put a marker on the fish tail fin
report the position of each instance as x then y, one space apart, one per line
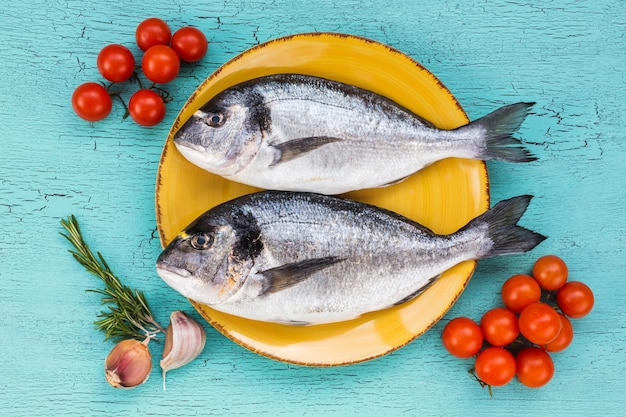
499 127
502 229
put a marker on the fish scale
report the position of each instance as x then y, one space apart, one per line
295 132
305 258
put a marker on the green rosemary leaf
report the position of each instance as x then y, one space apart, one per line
128 314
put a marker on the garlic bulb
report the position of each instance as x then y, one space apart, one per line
128 364
184 341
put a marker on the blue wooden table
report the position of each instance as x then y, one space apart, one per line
569 56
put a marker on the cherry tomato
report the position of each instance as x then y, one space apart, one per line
190 44
462 337
116 63
534 367
550 271
565 337
152 32
575 299
160 64
520 291
91 101
495 366
146 107
539 323
499 326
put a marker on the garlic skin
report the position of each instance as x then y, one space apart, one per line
129 363
184 341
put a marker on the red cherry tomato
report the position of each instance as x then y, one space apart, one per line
519 291
565 337
116 63
575 299
146 107
91 101
495 366
550 271
160 64
534 367
190 44
499 326
539 323
462 337
152 32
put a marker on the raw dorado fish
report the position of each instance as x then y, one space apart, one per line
301 133
304 258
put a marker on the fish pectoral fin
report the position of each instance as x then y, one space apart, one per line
286 276
418 292
298 147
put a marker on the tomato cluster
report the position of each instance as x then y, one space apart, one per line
516 340
162 54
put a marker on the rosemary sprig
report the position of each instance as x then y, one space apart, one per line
128 314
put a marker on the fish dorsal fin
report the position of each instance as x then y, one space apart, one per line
288 275
295 148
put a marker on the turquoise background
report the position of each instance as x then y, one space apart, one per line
568 56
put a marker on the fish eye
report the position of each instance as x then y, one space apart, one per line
216 119
201 241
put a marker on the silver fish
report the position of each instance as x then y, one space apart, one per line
302 133
304 258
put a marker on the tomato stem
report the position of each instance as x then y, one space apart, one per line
482 383
547 296
126 112
165 95
135 78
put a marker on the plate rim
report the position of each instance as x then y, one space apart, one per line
177 123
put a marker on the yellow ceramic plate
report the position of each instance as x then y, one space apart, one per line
443 197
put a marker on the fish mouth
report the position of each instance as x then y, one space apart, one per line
164 267
189 137
183 142
170 272
177 278
199 156
182 281
196 154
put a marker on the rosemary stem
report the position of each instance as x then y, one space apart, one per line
128 314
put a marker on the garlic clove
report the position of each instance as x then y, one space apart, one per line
184 341
128 364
